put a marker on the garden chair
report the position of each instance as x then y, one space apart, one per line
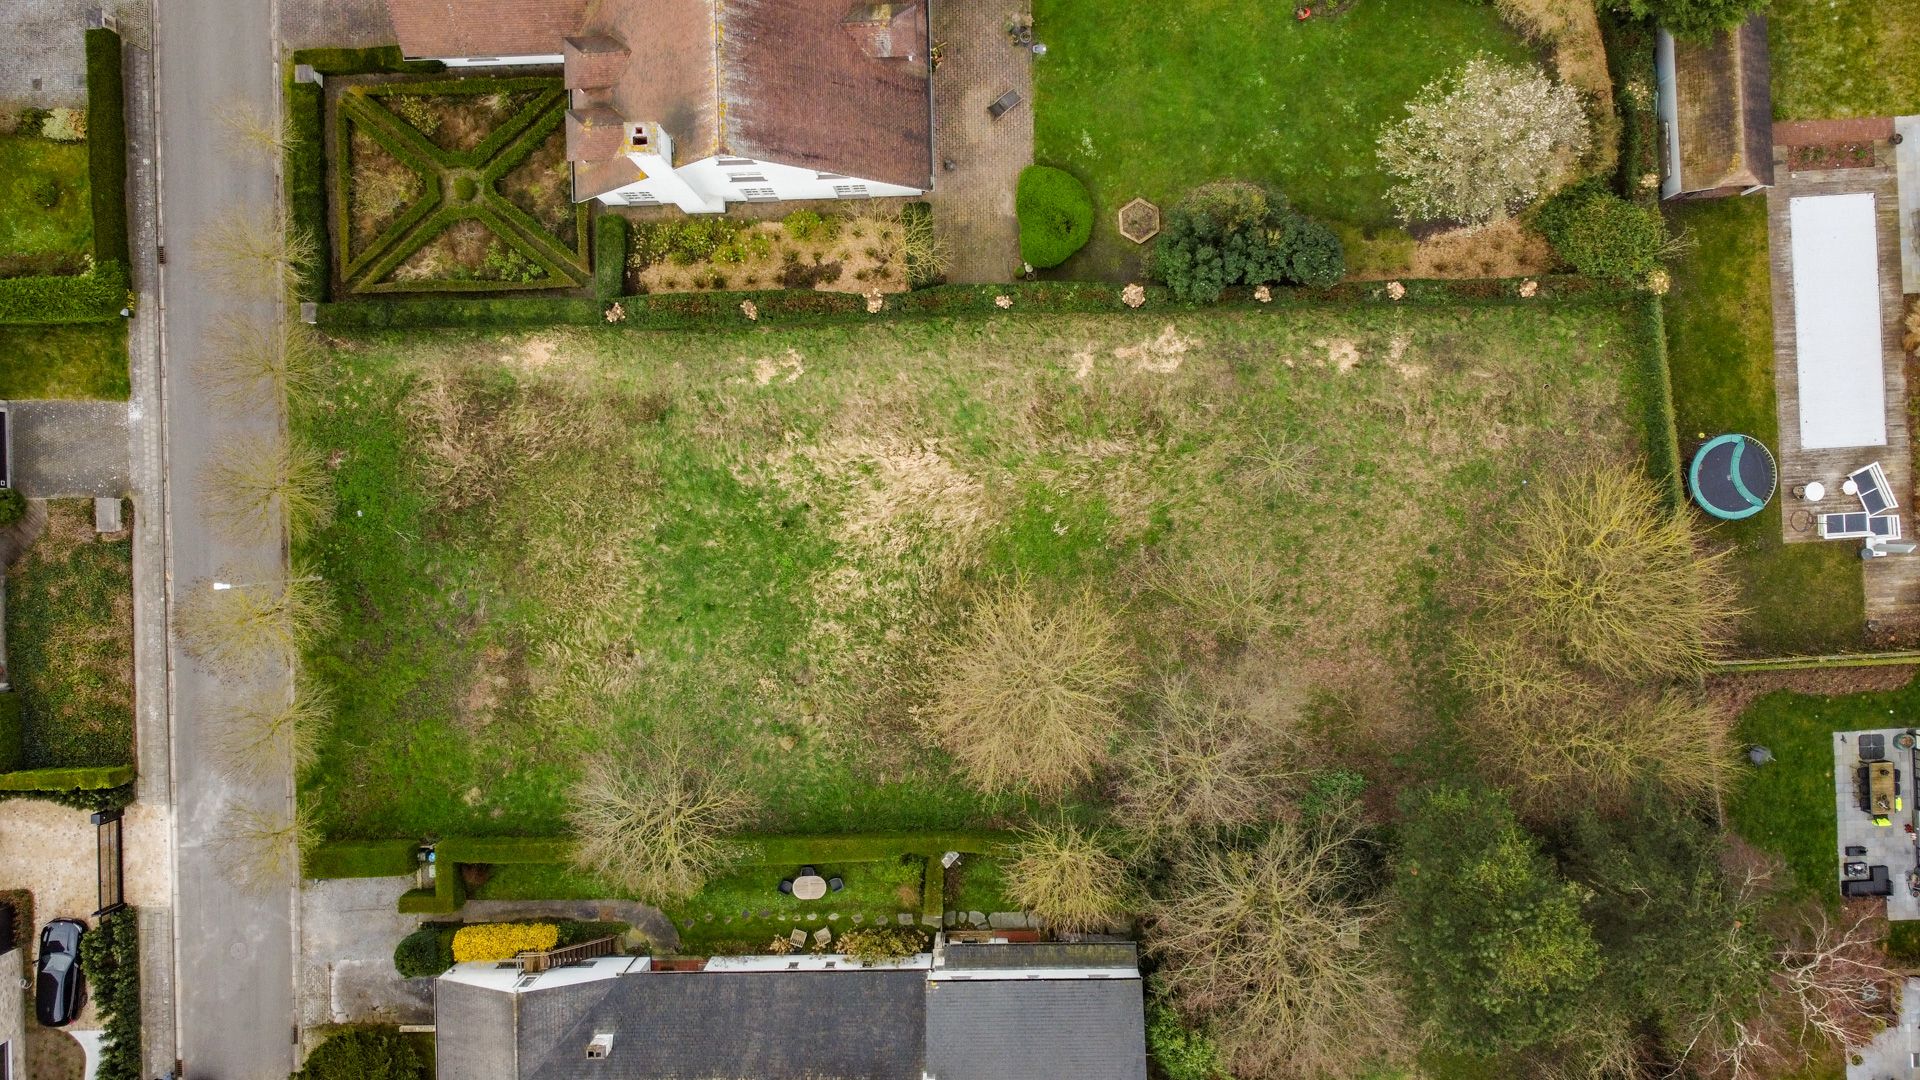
822 936
808 871
786 886
798 937
834 884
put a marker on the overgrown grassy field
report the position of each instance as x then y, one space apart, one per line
36 238
1846 58
549 544
1720 346
1153 99
74 360
70 642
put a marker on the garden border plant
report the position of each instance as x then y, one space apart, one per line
442 172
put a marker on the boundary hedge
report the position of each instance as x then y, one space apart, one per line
97 296
359 859
380 59
1663 438
107 147
78 778
110 955
12 732
792 307
609 256
306 165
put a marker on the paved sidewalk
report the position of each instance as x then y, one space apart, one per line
64 449
147 472
973 201
306 24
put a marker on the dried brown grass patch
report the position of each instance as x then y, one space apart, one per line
1502 249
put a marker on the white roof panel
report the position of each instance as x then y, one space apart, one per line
1836 317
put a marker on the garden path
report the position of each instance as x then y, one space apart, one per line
1893 583
973 203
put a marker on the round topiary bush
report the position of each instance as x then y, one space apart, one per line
13 506
424 953
1602 235
1056 215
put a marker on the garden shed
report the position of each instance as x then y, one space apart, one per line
1716 113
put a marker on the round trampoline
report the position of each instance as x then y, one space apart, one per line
1732 477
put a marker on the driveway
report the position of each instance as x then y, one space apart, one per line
348 928
66 449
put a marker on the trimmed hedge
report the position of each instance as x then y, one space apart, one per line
369 1053
1663 437
424 953
110 956
795 307
380 59
92 297
79 778
306 170
780 850
12 734
107 148
360 858
1602 235
609 256
1056 215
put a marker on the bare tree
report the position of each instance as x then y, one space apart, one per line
1027 693
1831 988
252 132
258 256
256 738
1067 876
1205 764
259 850
918 247
1589 746
248 359
1602 574
1274 945
253 482
656 822
239 632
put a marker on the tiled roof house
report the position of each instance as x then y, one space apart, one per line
995 1011
699 103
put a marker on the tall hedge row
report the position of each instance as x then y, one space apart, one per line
382 59
306 165
92 297
609 256
110 956
76 778
107 147
12 734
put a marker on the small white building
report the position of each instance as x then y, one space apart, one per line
701 103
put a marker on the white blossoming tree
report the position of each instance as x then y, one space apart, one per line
1483 142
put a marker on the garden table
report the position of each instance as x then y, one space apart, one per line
810 887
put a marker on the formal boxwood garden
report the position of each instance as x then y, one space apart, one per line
453 185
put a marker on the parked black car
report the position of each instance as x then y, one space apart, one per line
58 993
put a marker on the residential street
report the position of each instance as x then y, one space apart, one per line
234 950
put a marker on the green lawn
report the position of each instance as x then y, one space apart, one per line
74 360
70 642
549 543
1152 99
1787 806
33 237
1835 58
1720 341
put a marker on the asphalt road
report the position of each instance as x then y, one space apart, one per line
234 950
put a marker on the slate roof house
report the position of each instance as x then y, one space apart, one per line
1000 1011
1716 113
700 103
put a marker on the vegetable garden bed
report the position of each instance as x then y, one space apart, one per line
454 186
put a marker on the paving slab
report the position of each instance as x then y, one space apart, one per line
1896 1050
1906 161
348 928
1891 845
68 449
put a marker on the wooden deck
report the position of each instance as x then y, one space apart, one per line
1893 583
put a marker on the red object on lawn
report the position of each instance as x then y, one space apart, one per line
1303 13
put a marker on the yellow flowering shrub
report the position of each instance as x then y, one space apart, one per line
502 941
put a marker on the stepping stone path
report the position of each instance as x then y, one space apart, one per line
905 919
858 918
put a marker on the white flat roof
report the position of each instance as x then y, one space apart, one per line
1836 318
